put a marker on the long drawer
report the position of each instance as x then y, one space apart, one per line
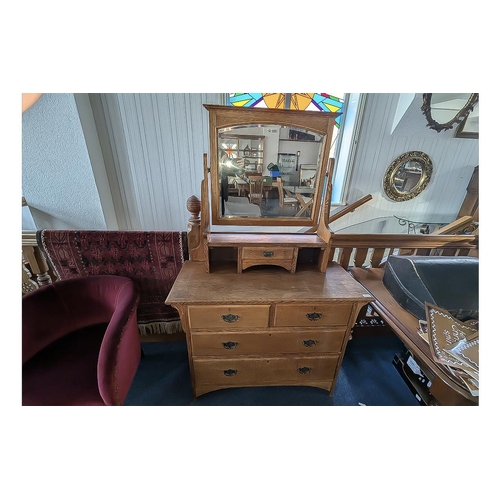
244 343
312 315
228 316
255 371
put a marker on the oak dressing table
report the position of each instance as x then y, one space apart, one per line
264 308
265 326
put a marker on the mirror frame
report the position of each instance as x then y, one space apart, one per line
459 117
391 191
221 117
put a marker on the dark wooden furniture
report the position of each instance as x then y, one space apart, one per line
444 389
365 255
266 326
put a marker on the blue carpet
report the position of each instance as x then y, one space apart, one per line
367 377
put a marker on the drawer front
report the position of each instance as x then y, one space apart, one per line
228 317
267 254
312 315
265 343
237 371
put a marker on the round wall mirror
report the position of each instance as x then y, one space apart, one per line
407 176
442 111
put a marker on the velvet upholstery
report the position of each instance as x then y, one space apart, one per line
81 343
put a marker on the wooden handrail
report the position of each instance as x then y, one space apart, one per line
455 226
404 240
350 208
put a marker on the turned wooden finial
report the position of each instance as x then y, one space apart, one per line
194 236
194 206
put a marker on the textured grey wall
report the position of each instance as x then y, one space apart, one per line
58 182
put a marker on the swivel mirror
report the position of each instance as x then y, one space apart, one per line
251 148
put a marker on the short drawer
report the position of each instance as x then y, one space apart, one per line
228 316
266 254
272 256
312 315
263 371
265 343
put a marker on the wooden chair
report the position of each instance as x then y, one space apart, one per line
285 200
256 184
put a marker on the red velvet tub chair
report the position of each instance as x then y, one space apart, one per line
81 344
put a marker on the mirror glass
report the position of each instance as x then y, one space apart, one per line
250 160
408 176
444 107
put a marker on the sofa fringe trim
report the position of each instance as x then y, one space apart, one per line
159 328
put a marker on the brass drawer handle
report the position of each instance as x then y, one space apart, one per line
229 318
230 372
268 254
229 345
313 316
303 370
309 342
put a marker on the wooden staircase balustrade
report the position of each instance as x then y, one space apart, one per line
33 263
372 250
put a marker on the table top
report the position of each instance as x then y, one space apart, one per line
263 285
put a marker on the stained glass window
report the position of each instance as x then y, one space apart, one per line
258 100
300 101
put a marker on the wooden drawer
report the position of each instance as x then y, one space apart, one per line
275 256
312 315
263 371
228 316
265 343
267 254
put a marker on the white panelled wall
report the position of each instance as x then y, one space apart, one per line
380 143
153 146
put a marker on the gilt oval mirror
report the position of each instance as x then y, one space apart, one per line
267 167
443 111
407 176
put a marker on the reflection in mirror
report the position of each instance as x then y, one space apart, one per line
444 110
251 158
307 175
407 176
